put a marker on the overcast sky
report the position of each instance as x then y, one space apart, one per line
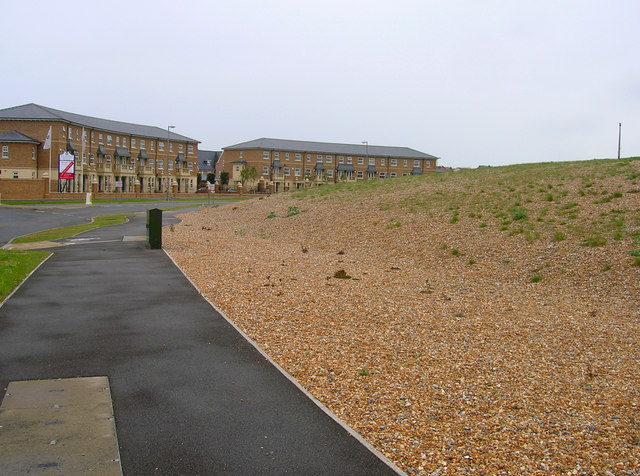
474 82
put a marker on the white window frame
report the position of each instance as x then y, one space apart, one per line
360 160
160 146
5 151
109 140
265 154
394 162
298 157
319 158
265 170
297 172
160 164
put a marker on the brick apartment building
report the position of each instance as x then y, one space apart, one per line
289 164
110 156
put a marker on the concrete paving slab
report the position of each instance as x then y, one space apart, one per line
59 426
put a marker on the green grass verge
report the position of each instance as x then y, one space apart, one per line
15 266
66 232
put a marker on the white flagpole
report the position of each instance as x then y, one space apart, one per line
47 145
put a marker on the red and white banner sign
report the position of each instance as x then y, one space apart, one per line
66 166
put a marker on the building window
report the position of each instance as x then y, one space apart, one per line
15 174
349 160
124 142
134 143
84 158
33 153
298 157
360 160
265 154
190 149
286 156
319 158
160 146
329 159
181 148
99 160
383 161
394 162
276 155
416 163
142 143
330 173
150 162
190 165
117 141
160 164
287 172
297 172
64 132
372 161
308 156
108 160
93 137
341 160
307 172
360 174
109 140
70 133
5 151
393 174
265 170
100 139
91 159
169 164
151 145
428 164
241 153
170 146
405 163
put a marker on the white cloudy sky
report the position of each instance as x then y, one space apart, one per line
474 82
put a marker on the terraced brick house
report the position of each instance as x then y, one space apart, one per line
110 156
290 164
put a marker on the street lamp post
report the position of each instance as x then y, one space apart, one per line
619 137
166 185
366 150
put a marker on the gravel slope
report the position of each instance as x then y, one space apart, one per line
489 323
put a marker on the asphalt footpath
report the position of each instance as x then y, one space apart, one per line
191 395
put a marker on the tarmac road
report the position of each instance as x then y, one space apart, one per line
18 220
191 395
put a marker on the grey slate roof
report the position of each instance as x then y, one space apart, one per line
121 152
207 159
330 148
15 136
35 112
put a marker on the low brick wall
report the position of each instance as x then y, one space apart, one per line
38 189
23 189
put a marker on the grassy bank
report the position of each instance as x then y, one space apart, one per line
15 266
